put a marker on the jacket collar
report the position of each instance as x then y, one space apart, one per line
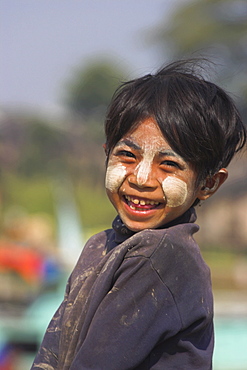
122 232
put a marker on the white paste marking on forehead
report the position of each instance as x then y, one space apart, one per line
115 175
175 191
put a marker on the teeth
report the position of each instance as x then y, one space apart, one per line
142 202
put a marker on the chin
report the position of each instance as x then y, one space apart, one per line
137 229
139 226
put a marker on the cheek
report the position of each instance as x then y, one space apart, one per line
175 191
115 176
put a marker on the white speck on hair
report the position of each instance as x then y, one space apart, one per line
175 191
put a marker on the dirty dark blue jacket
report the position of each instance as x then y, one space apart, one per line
135 301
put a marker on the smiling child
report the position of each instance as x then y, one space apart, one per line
148 183
140 295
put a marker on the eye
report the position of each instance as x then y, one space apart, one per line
171 164
125 153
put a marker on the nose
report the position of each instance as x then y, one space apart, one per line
143 176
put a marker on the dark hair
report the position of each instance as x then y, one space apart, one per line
198 119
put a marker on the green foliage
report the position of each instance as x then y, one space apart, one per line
197 25
215 29
35 195
45 150
91 87
95 209
31 195
228 269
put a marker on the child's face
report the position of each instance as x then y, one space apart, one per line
147 182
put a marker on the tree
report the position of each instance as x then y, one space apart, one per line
212 28
46 149
90 88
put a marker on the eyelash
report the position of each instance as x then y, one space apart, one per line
128 154
125 153
171 164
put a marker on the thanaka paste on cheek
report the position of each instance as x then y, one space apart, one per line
115 175
175 191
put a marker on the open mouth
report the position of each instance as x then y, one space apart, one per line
138 204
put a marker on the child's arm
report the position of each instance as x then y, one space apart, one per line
137 313
47 355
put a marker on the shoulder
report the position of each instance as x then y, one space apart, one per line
170 242
94 249
98 239
173 253
179 254
176 258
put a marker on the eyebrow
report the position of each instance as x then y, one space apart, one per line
169 152
128 143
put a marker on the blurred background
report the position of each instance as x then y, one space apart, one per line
60 63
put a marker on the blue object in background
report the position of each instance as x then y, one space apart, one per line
230 343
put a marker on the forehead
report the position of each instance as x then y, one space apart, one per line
146 135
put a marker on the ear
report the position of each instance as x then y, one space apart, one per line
212 184
106 153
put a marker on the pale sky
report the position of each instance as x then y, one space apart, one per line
41 41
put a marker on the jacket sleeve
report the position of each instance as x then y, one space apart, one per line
50 347
137 313
47 355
